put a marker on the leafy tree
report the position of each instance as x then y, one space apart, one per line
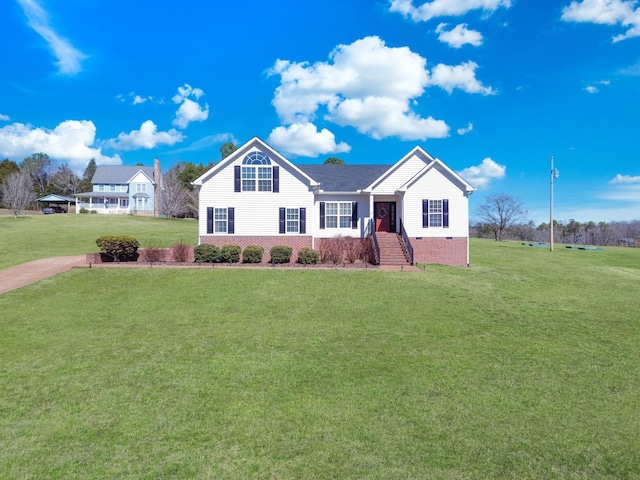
17 192
500 211
64 181
7 167
85 184
333 161
227 149
38 167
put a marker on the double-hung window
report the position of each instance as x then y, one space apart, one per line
141 187
293 220
220 216
338 214
435 213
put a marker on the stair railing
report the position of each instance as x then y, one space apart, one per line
371 232
407 248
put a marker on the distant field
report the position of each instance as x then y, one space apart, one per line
523 366
39 236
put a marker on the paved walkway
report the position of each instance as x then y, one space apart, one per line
16 277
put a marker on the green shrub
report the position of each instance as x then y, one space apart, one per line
84 210
308 256
206 253
122 248
252 254
281 254
230 253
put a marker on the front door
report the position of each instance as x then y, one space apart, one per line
385 216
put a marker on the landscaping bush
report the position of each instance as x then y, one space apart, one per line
281 254
206 253
84 210
122 248
332 249
230 253
180 252
154 254
308 256
252 254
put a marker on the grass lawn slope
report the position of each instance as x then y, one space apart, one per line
523 366
39 236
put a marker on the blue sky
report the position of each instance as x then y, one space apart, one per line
493 88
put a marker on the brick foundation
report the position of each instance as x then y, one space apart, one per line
267 243
445 251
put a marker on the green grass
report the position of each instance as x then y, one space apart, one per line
28 238
523 366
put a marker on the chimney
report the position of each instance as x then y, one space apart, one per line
157 180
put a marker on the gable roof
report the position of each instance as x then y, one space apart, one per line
343 178
119 173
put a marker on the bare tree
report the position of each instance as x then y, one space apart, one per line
500 211
17 192
175 198
64 181
38 167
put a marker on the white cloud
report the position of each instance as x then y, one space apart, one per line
305 140
625 179
147 137
458 36
444 8
69 58
72 141
606 12
481 175
135 98
465 130
189 111
369 86
591 89
4 118
206 143
461 76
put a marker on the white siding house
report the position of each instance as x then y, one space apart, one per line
256 196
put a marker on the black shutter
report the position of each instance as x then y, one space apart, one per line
425 213
445 213
231 220
236 179
322 215
276 179
354 214
303 220
283 220
209 219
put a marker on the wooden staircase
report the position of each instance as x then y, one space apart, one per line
391 252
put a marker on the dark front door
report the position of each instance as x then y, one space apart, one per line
385 216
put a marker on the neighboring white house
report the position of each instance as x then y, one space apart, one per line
255 196
122 189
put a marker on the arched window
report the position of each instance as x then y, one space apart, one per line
257 166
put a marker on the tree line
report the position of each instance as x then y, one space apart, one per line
503 217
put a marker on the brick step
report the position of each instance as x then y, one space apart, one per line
390 250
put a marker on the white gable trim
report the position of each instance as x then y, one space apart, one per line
138 173
255 142
453 175
416 151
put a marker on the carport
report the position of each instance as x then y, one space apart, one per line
59 200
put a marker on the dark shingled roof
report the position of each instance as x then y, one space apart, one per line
344 178
118 173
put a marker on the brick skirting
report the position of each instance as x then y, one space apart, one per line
445 251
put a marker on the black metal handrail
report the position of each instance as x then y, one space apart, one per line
374 238
407 248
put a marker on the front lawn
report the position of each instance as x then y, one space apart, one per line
523 366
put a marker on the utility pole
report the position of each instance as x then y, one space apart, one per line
554 174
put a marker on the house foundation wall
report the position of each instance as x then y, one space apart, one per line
266 242
446 251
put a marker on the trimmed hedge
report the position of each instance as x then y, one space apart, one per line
122 248
308 256
252 254
281 254
206 253
230 253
